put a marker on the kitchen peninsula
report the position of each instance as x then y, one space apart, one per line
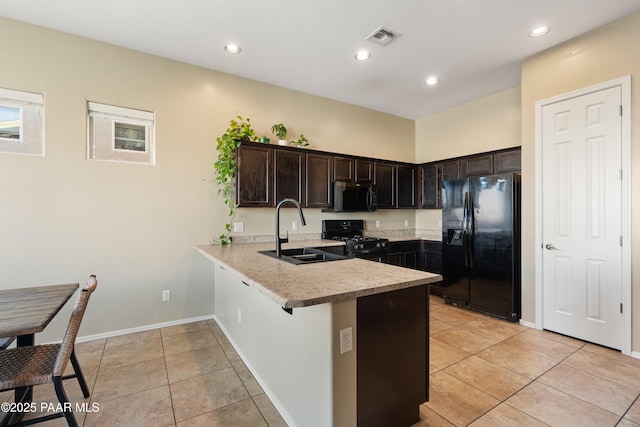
286 322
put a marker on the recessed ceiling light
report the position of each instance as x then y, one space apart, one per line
232 48
433 80
363 55
539 31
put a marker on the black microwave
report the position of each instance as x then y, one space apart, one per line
354 197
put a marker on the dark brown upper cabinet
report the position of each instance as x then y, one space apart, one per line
267 174
430 185
343 169
432 174
450 169
507 161
406 186
319 179
385 180
289 176
254 176
364 170
477 165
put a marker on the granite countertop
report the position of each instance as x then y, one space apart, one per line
303 285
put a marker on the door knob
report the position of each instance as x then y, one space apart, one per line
550 247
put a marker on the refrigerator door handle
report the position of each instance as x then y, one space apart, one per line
470 228
465 230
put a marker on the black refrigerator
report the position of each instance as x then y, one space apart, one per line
481 244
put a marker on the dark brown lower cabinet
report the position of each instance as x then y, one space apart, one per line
405 254
432 262
432 256
392 357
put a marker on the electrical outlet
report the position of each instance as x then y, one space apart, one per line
239 315
346 340
238 227
440 223
166 295
377 223
294 225
406 222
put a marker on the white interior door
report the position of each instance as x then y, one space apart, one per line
582 217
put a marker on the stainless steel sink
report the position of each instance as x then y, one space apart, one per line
305 255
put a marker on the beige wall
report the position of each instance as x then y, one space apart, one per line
490 123
605 54
63 217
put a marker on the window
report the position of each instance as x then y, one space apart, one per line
21 122
120 134
10 122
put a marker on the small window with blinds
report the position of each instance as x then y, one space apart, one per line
21 122
120 134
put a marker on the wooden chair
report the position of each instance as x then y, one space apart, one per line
27 366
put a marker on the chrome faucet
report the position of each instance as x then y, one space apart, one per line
280 241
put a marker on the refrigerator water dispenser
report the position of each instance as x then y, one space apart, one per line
454 233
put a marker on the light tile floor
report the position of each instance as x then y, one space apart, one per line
483 372
186 375
489 372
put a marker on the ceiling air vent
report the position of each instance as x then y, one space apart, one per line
382 36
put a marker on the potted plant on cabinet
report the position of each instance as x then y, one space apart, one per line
301 142
281 132
239 130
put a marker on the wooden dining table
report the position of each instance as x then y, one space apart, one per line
26 311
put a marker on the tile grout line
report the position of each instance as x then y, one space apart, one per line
236 371
166 369
95 381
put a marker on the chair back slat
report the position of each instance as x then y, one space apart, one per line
66 347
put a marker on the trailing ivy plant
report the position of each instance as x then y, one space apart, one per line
239 130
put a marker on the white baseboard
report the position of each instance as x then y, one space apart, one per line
528 324
142 328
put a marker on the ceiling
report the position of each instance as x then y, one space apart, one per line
475 47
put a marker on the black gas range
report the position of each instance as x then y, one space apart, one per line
356 244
